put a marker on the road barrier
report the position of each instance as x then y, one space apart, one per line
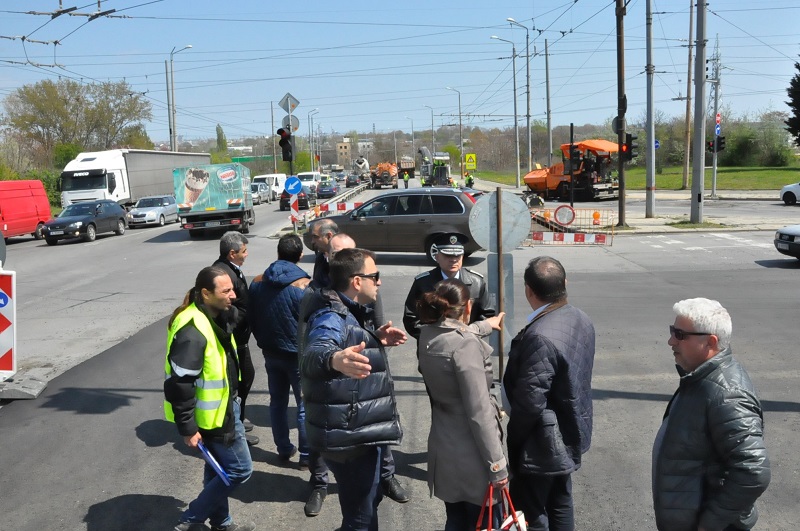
564 225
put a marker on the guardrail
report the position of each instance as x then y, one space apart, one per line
316 212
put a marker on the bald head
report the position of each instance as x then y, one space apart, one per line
339 242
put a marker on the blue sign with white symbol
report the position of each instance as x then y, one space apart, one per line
293 185
657 144
3 299
717 129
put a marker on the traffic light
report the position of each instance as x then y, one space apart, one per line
710 146
629 150
720 143
287 144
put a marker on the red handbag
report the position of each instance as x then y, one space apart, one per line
512 520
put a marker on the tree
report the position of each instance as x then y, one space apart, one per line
68 112
793 122
136 137
63 153
222 142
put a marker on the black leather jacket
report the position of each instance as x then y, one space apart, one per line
710 463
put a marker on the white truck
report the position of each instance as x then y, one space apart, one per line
123 175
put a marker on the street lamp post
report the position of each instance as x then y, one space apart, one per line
173 139
516 123
460 137
311 114
433 135
413 153
527 86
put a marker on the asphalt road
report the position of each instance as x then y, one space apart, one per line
93 453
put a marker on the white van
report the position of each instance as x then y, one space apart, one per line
274 182
310 179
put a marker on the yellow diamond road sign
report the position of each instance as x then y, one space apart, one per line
471 161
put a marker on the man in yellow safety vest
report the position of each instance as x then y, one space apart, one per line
201 395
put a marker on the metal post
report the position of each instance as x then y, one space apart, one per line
169 106
716 82
174 136
527 87
433 135
650 153
549 122
274 152
460 136
413 152
501 285
622 106
514 80
688 131
698 164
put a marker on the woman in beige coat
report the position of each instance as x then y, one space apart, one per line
465 450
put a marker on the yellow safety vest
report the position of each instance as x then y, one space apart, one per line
211 387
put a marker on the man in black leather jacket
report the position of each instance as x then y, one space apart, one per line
548 383
710 464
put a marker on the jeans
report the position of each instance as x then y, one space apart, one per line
283 374
359 492
545 500
463 516
319 470
212 502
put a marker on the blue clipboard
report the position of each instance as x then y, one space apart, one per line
214 464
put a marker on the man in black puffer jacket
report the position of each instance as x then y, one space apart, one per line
710 464
273 311
548 383
351 410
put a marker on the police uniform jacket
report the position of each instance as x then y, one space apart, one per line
425 283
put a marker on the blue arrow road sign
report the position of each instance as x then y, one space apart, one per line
657 144
717 129
3 299
293 185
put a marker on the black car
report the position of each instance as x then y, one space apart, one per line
305 199
352 180
86 220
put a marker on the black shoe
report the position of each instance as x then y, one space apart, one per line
314 504
286 457
248 426
236 527
392 489
252 440
303 463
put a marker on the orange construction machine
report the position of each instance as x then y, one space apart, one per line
591 167
385 174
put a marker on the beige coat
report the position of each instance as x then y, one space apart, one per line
465 449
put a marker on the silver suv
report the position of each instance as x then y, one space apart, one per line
407 221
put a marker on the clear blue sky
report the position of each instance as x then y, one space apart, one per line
363 65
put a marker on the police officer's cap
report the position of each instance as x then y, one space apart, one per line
450 244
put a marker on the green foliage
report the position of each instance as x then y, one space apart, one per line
455 156
219 158
793 122
64 153
222 142
136 137
64 111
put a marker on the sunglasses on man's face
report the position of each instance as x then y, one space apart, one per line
680 335
376 276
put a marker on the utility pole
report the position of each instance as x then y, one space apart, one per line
460 135
650 153
622 106
698 162
272 128
549 120
688 132
715 85
433 135
169 106
527 85
413 153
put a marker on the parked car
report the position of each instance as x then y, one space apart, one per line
24 208
352 180
790 193
260 193
409 220
329 188
86 220
156 209
787 241
274 182
305 199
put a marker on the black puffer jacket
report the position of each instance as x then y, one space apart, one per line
711 464
548 383
344 413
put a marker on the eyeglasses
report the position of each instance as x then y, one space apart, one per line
680 335
376 276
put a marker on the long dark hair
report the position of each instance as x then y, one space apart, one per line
205 279
448 299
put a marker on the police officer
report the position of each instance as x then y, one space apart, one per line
450 260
